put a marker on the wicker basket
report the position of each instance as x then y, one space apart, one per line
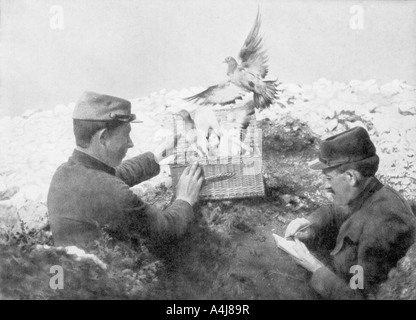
237 176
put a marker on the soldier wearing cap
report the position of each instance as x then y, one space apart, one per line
368 227
91 192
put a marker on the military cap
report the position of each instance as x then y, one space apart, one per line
100 107
349 146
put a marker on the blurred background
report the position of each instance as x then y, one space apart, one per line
51 51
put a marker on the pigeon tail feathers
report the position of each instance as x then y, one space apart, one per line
265 98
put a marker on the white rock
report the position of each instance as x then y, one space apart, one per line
411 138
392 136
9 219
355 83
408 107
392 88
292 88
369 83
406 86
163 92
347 96
60 109
323 89
18 200
172 94
323 82
339 106
34 214
327 113
3 186
339 86
354 124
7 192
331 125
374 89
31 192
308 93
362 85
186 92
367 107
398 83
28 113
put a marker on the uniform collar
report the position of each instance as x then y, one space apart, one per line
372 187
91 162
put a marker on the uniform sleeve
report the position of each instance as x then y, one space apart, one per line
321 217
170 223
330 286
323 221
138 169
146 220
382 243
326 223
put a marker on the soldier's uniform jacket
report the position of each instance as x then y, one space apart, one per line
86 195
373 232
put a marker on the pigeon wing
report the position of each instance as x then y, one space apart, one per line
251 54
224 93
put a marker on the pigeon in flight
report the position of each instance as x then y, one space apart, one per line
243 78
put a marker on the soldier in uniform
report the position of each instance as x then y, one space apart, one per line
368 227
91 191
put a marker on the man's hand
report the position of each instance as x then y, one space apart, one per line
294 227
190 183
305 258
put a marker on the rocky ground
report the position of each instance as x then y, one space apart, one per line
229 253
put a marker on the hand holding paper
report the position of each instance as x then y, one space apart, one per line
299 252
